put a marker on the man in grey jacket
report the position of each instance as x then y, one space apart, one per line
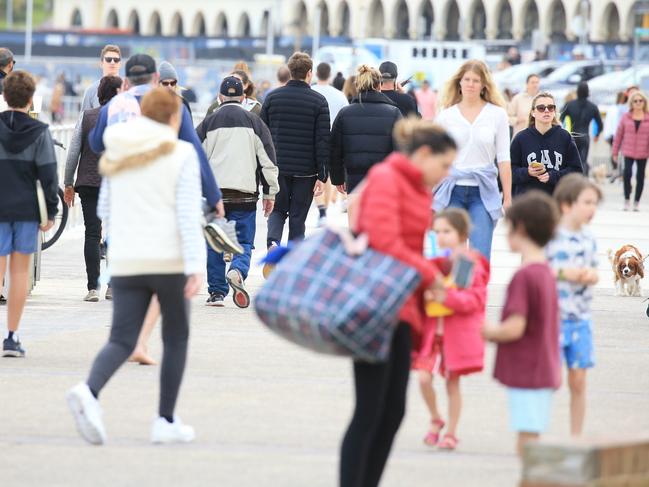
111 62
240 149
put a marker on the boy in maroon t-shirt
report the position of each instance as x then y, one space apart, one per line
528 361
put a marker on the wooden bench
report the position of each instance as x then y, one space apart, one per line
587 463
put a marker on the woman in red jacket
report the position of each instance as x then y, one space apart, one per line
632 138
394 212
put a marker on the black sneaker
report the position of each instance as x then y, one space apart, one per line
3 300
215 299
11 347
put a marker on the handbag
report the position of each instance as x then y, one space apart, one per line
334 295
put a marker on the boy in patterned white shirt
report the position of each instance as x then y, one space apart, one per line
573 256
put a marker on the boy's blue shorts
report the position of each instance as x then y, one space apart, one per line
19 237
529 409
576 342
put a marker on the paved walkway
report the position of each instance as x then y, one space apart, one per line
268 413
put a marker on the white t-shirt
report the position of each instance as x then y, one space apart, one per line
480 143
335 99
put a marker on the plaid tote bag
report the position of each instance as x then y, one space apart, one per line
325 299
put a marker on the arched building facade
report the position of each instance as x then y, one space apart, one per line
610 20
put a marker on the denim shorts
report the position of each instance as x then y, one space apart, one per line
21 237
529 409
576 343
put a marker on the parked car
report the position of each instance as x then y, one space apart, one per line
571 74
604 88
514 78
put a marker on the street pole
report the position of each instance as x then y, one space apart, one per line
316 30
28 31
270 34
10 14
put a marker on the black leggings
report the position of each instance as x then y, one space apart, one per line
91 247
639 177
131 298
380 407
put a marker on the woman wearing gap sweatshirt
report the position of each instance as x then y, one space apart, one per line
544 152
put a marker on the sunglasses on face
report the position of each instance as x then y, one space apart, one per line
169 83
112 59
638 100
546 108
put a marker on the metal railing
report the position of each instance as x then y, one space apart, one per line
63 134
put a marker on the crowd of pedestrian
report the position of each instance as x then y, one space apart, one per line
147 181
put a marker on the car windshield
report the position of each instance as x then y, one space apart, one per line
563 72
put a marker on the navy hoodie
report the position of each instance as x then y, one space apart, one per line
555 149
26 155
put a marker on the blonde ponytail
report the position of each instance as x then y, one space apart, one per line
368 78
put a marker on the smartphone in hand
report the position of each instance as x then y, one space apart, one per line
463 268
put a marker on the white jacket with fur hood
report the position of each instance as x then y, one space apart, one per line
150 201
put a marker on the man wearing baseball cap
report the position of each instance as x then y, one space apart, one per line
142 76
241 152
391 88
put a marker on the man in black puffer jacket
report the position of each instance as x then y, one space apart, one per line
298 119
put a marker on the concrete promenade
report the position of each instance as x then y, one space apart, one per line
270 414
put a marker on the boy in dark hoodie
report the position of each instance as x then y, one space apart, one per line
544 152
26 156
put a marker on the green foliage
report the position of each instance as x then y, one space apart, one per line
42 13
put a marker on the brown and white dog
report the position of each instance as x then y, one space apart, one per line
628 270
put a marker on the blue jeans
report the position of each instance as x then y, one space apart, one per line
482 225
246 226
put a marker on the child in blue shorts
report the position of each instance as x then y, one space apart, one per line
26 156
573 256
528 361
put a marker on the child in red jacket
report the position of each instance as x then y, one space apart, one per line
451 342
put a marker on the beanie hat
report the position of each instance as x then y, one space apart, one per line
167 71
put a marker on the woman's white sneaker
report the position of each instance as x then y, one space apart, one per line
87 414
165 432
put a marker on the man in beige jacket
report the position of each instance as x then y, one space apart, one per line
520 106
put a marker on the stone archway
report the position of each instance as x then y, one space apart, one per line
155 24
112 20
376 21
324 18
505 21
530 19
263 28
221 26
243 29
452 21
402 20
425 20
198 26
478 20
558 24
610 25
344 19
134 22
75 19
177 25
301 20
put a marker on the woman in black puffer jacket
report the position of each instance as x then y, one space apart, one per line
362 132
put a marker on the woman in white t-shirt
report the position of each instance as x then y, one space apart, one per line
474 114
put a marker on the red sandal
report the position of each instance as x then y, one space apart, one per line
449 442
432 438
